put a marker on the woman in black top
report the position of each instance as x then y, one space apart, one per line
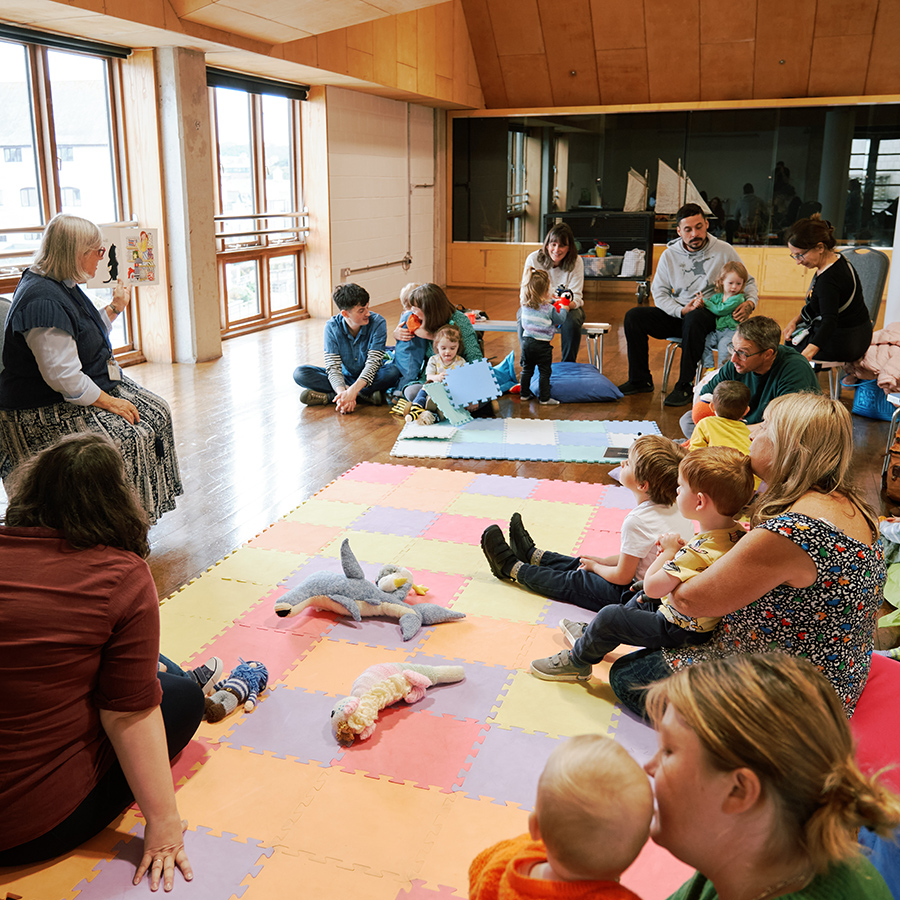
834 324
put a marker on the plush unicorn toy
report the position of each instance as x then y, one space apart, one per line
380 686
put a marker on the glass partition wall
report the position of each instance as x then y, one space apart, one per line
844 161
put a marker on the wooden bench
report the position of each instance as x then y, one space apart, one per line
593 331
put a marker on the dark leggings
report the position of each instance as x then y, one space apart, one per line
182 711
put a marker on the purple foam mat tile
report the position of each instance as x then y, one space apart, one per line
556 610
376 633
635 735
502 486
582 439
618 497
296 723
472 698
220 864
390 520
507 765
326 564
533 452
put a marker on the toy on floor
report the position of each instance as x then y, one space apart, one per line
352 595
382 685
242 687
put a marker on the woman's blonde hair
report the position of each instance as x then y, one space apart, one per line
812 447
65 240
537 288
738 268
780 717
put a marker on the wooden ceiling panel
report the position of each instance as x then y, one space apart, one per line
884 62
407 39
622 76
618 26
425 64
481 34
527 80
838 65
839 17
673 49
361 37
517 27
784 36
333 47
727 22
443 46
570 49
386 51
727 71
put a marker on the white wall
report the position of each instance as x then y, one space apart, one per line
374 217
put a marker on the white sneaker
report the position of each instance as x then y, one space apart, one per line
550 402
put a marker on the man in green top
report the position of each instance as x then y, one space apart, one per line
760 361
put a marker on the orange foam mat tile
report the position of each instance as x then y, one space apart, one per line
356 492
332 666
467 826
283 874
295 537
422 478
375 823
495 642
254 796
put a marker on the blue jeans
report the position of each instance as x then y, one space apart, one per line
630 675
637 622
315 378
559 578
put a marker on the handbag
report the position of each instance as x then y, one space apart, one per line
870 400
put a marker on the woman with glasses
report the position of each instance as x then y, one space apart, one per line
59 375
807 579
834 324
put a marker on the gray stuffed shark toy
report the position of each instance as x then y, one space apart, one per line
351 594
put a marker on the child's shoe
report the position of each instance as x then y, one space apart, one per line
549 402
572 630
313 398
376 398
520 541
208 674
414 412
501 559
560 667
526 396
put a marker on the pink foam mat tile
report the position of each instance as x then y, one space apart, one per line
595 542
191 759
655 874
414 746
443 587
219 864
618 497
503 486
506 765
608 519
379 473
451 480
460 529
296 724
570 492
295 537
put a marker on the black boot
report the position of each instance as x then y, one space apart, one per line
520 540
500 558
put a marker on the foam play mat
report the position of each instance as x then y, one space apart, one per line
276 807
545 440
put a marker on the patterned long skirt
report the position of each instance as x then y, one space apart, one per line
148 447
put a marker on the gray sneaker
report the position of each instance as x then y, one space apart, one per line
572 630
560 668
313 398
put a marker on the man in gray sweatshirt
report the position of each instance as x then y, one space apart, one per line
688 266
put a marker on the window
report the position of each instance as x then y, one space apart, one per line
260 225
54 102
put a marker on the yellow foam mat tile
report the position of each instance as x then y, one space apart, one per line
253 795
283 874
210 597
333 666
265 567
180 636
56 879
486 595
366 493
558 709
412 497
396 819
440 556
372 547
495 642
317 511
485 507
556 526
467 827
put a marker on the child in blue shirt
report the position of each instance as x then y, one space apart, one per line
540 319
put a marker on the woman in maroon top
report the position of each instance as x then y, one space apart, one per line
87 725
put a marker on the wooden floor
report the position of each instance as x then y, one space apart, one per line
250 451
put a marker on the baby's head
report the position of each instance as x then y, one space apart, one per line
405 292
731 400
723 474
732 278
654 461
537 288
446 343
593 809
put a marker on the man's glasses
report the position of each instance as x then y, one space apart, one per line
742 355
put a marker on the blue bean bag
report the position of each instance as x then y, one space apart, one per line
577 383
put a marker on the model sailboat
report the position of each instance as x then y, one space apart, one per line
674 189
